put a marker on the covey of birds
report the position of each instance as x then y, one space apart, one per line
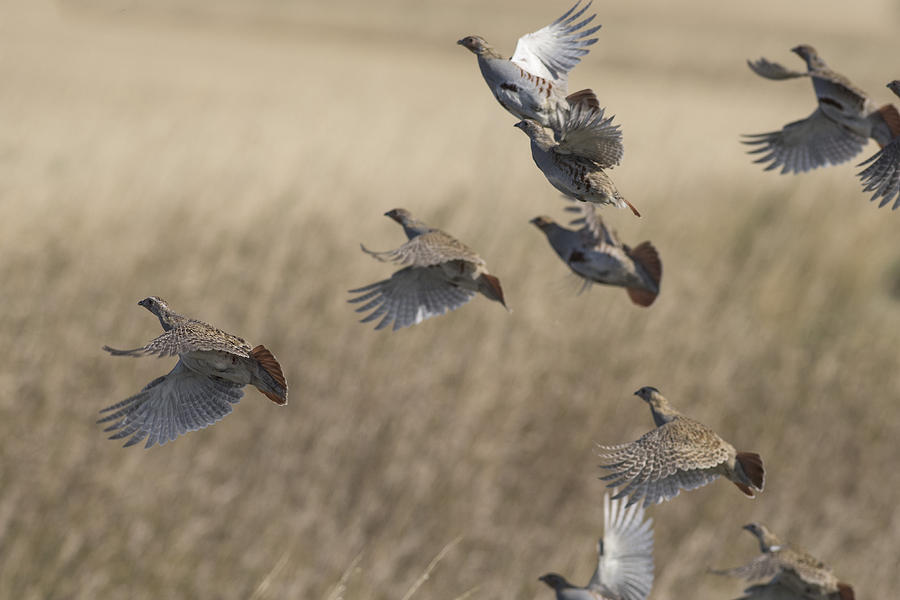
791 572
680 454
882 175
624 558
595 254
533 83
835 132
212 369
589 144
441 274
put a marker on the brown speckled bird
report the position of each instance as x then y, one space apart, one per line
794 572
595 254
575 166
882 175
680 454
441 275
212 369
835 132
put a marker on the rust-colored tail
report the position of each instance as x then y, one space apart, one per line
274 386
845 591
752 466
631 206
490 287
646 256
584 97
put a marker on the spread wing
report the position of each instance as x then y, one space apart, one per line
190 336
882 175
809 143
680 455
763 566
410 296
593 228
428 249
172 405
773 70
625 552
553 51
587 132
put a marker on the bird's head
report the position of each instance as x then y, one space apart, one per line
894 86
475 44
154 304
648 394
542 222
554 580
401 215
531 128
808 54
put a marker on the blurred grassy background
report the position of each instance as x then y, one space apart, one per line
230 156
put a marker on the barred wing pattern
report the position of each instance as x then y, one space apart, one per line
807 144
410 296
882 176
428 249
588 132
172 405
189 336
551 52
680 455
625 552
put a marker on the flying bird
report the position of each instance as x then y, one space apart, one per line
533 83
441 274
624 558
595 254
576 165
835 132
882 175
791 571
680 454
212 369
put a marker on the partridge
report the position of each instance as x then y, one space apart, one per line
212 369
624 558
533 83
680 454
441 275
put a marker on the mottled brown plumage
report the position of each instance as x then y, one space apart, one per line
680 454
212 369
790 570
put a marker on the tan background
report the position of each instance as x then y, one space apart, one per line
230 156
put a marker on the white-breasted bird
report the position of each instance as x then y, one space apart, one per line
441 275
680 454
575 165
212 369
624 558
595 254
533 84
835 132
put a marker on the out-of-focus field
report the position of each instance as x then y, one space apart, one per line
231 156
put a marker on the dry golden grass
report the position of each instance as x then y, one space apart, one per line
231 159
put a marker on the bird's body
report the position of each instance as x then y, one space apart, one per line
882 172
680 454
835 132
533 83
576 164
792 572
624 558
213 367
595 254
442 275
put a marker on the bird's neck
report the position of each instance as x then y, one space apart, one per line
662 414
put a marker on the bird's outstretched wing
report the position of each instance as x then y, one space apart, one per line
625 552
551 52
410 296
169 406
882 175
809 143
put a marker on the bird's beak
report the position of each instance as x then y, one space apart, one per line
520 125
460 42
